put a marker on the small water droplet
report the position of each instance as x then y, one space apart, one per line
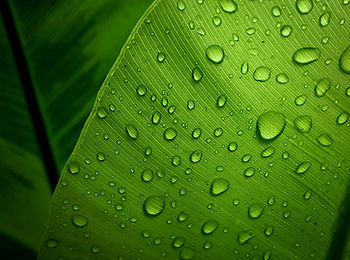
156 116
196 156
196 133
161 57
344 60
267 152
286 31
300 100
282 78
249 172
147 175
342 118
276 11
141 90
181 5
232 146
324 19
131 131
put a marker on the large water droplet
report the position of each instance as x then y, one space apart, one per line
303 167
197 74
73 167
268 152
228 6
197 132
170 134
270 125
262 74
153 205
325 140
322 87
221 101
156 117
286 31
325 19
300 100
196 156
344 61
342 118
178 242
304 6
131 131
147 175
219 186
244 236
79 220
303 124
255 210
215 53
209 227
282 78
306 55
141 90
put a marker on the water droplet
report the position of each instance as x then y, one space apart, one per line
131 131
268 152
218 132
304 6
221 101
325 140
95 249
270 125
196 156
268 231
255 210
215 54
249 172
186 254
207 245
325 19
300 100
141 90
219 186
228 6
322 87
307 194
160 57
176 160
306 55
342 118
197 74
178 242
182 217
344 60
244 68
153 205
147 175
216 20
101 112
262 74
276 11
79 220
303 167
209 227
303 124
181 5
170 134
156 117
73 167
232 146
190 104
282 78
51 243
244 236
286 30
197 132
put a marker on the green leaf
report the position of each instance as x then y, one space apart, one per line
24 189
215 135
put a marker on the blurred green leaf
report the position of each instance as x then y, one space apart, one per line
24 189
218 133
